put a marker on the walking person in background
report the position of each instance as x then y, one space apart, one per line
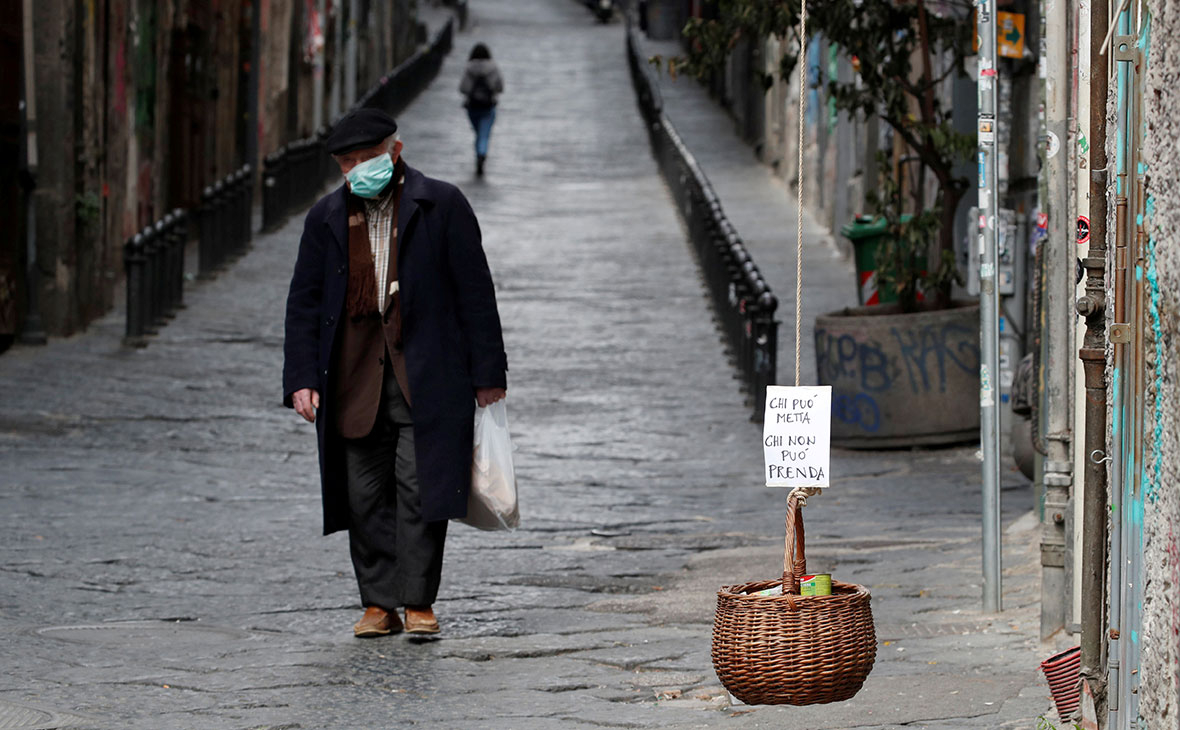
392 338
481 86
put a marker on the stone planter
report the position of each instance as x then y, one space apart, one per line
900 379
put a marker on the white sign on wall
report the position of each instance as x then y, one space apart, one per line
797 435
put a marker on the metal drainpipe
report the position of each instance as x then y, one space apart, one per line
1092 306
1118 396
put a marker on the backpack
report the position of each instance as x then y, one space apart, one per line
481 94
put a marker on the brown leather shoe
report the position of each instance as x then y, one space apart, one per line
421 621
377 622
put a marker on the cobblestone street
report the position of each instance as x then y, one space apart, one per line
161 565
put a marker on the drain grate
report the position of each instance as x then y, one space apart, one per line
23 717
174 633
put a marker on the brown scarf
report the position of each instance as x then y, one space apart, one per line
361 300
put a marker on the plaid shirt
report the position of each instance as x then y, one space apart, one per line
379 215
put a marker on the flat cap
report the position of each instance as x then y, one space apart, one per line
360 129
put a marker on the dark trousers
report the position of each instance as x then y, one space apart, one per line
396 555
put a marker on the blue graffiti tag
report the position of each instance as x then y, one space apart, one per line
949 344
857 410
843 357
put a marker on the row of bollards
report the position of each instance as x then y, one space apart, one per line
394 92
226 226
154 259
292 178
294 175
742 300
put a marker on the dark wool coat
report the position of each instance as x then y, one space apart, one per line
450 330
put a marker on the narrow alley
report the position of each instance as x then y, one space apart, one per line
163 566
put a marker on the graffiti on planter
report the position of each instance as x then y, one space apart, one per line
922 358
877 374
840 358
857 410
949 344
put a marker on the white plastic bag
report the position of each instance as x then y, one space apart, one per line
492 502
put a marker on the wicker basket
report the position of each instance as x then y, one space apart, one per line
792 649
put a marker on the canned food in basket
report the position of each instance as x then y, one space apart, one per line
817 584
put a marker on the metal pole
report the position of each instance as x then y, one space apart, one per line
1058 288
33 331
180 235
350 69
989 308
317 75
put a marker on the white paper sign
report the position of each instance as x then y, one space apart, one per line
797 435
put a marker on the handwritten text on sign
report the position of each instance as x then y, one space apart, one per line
797 435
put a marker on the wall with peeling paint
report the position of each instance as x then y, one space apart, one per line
141 105
1160 642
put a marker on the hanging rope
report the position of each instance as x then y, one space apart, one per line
800 494
799 185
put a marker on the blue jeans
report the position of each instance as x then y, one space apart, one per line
482 121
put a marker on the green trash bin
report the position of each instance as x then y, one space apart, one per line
867 234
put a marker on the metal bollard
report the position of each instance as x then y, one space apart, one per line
167 262
291 179
232 216
179 235
238 212
269 203
205 251
219 223
310 182
248 204
295 177
281 185
327 166
233 219
298 177
765 342
134 261
151 279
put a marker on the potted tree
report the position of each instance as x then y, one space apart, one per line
904 373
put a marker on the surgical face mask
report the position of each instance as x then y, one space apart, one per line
370 177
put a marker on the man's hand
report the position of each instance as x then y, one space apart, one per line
307 402
487 396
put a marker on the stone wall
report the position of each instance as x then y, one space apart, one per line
1160 642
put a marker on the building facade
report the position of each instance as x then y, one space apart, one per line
139 105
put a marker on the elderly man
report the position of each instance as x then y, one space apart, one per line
392 338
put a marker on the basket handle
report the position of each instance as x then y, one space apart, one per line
794 561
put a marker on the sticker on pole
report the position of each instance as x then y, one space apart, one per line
1083 230
797 435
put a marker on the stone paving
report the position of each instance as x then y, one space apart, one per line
160 560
